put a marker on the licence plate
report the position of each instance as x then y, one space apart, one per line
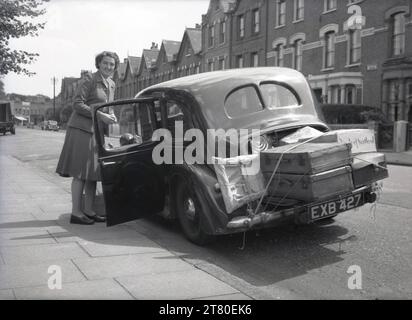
333 207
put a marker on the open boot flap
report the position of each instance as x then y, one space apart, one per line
366 159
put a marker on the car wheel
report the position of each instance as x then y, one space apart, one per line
189 212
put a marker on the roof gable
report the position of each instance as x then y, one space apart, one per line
171 48
224 5
149 56
193 38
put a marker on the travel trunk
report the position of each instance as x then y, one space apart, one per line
309 158
368 168
313 187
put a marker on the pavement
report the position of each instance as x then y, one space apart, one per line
39 249
399 158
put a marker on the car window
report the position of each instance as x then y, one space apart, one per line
134 126
175 115
276 96
243 101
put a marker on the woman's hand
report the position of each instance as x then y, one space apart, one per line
107 118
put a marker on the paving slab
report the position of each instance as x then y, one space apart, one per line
10 198
41 253
68 235
7 295
12 276
27 226
25 238
115 247
20 217
106 289
175 286
56 209
129 265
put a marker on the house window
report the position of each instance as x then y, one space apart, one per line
329 50
255 59
256 21
211 35
354 46
222 64
210 66
299 10
398 34
222 31
336 94
280 12
298 57
279 55
241 27
350 94
330 5
239 61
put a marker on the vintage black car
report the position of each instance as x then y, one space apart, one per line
49 125
135 186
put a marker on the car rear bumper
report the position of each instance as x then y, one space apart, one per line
300 214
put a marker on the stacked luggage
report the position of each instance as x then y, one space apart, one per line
308 172
335 163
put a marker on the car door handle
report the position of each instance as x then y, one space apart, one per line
108 163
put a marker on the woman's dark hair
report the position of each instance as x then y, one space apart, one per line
110 54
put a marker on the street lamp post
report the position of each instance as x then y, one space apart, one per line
54 80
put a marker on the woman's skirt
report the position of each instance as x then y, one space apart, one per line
78 158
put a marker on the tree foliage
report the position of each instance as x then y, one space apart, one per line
16 21
2 93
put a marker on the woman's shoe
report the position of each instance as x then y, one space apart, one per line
96 217
80 220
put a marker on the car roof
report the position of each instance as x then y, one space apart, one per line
210 89
236 76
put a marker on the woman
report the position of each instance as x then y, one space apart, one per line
78 158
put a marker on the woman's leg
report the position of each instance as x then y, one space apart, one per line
90 193
77 192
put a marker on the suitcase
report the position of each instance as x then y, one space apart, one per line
362 140
310 188
240 180
309 158
365 172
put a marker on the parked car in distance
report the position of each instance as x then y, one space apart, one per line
277 101
50 125
6 118
30 125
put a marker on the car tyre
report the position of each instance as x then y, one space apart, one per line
189 214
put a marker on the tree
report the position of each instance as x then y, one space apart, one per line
15 22
2 93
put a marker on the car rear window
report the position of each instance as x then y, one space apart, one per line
243 101
276 96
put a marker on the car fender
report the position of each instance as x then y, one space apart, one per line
203 180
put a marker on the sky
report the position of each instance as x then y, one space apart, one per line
76 30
